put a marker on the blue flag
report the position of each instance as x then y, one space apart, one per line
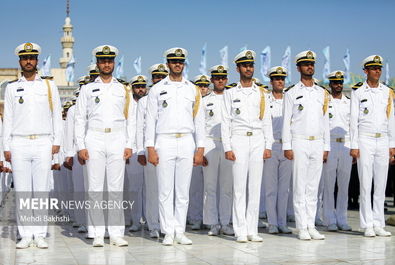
387 73
265 63
137 65
286 62
46 67
186 69
203 65
119 69
327 69
70 70
347 61
224 56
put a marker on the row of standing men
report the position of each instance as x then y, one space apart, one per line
216 143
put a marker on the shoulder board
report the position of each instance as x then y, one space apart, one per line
347 97
206 95
289 88
123 82
265 89
357 85
47 77
13 81
231 85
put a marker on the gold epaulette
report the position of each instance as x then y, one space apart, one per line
197 102
231 85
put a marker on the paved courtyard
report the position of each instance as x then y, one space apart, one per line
66 246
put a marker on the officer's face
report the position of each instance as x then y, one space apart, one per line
219 82
246 70
306 68
28 63
139 90
373 73
157 78
203 89
278 83
336 86
175 66
105 65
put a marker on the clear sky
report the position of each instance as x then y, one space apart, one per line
147 28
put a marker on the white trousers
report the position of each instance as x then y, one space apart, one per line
262 200
247 178
337 167
290 206
79 176
31 165
320 198
174 173
134 185
195 208
151 197
306 173
105 159
372 165
276 178
218 185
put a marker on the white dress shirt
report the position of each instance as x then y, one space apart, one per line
70 147
303 115
240 114
368 113
141 114
101 105
212 105
276 109
339 117
170 111
27 111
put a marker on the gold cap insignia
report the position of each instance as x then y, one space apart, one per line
376 59
248 55
338 74
203 78
28 47
309 55
220 69
178 52
279 70
161 67
106 50
140 79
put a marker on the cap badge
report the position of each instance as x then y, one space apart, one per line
106 50
178 52
28 47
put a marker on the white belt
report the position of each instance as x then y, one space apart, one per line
219 139
278 141
107 130
374 135
339 139
31 136
307 137
248 133
176 135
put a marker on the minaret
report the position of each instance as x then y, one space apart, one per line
67 40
